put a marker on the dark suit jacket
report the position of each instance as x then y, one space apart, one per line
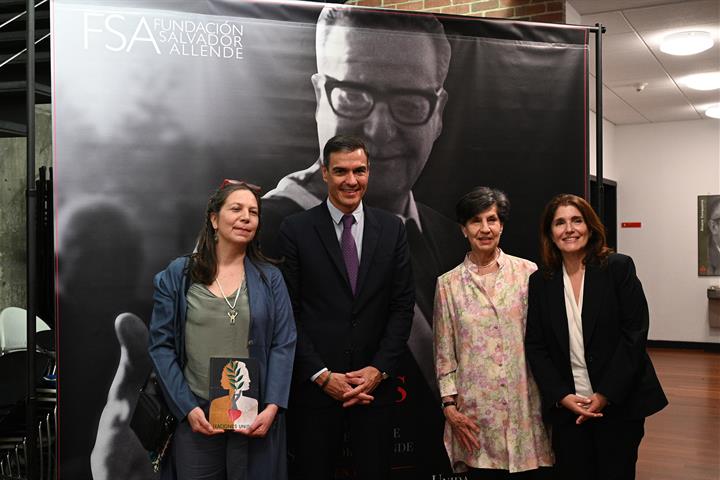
615 327
438 249
337 329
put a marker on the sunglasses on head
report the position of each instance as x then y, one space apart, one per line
251 186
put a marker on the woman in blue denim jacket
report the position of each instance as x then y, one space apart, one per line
225 300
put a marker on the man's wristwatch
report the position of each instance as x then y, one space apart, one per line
448 404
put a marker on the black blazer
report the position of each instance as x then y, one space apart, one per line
439 248
615 326
337 329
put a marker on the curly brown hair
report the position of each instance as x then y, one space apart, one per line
596 250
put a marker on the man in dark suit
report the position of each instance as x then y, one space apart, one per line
347 268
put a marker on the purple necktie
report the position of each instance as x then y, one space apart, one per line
349 250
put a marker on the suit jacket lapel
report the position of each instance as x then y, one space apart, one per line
558 313
425 266
323 224
371 235
592 296
252 282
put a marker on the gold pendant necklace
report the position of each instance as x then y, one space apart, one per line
232 313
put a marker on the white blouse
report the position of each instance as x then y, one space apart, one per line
575 328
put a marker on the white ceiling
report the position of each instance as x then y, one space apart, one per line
632 56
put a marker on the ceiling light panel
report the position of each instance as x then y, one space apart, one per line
703 81
686 43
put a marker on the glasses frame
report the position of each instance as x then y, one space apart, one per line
379 95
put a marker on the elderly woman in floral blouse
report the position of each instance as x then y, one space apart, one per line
490 401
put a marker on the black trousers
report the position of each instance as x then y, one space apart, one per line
317 437
600 449
542 473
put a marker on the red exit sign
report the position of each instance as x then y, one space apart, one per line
631 225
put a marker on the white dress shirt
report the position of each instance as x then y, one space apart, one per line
357 232
357 229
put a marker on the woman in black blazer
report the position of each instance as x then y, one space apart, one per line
585 342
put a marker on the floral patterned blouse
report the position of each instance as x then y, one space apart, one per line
479 356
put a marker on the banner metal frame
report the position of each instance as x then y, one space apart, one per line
31 197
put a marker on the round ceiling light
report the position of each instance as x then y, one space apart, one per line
686 43
703 81
714 111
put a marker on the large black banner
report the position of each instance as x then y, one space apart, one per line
157 101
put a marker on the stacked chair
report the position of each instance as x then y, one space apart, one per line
13 378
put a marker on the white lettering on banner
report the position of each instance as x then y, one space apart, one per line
124 33
136 36
205 51
201 39
86 27
117 33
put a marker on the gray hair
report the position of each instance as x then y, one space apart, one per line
712 205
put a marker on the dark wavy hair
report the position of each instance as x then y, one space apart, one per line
480 199
596 250
203 267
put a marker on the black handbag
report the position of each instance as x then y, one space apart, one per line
152 421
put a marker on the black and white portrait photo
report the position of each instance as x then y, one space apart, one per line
708 235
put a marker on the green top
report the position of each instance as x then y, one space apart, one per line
210 333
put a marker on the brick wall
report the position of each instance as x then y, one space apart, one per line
534 10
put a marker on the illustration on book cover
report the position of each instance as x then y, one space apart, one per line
234 392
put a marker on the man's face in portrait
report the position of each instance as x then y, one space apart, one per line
714 223
383 87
